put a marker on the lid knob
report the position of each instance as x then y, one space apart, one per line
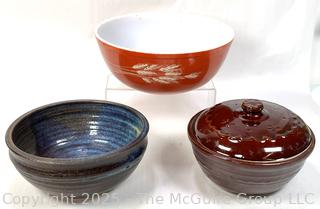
252 106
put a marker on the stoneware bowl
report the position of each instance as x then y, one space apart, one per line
164 53
76 148
250 146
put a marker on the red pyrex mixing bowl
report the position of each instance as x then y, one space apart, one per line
164 53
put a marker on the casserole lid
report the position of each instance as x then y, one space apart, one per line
251 129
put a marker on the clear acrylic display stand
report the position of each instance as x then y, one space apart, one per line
162 106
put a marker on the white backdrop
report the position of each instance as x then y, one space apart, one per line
48 54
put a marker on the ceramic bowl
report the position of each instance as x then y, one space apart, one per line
250 146
78 147
164 53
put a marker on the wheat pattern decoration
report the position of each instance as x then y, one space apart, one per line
163 74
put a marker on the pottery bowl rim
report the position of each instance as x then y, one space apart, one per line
228 31
77 160
198 147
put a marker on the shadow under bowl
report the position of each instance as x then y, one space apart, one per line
247 176
164 53
78 147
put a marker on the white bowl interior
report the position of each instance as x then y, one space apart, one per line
164 33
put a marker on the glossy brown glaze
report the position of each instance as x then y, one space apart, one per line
240 125
252 130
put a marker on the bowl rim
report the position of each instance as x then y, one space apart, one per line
159 13
80 160
302 155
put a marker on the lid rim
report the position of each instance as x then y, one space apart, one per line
301 155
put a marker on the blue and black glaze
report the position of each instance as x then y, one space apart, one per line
96 144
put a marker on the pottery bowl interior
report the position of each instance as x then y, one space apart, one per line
158 33
73 130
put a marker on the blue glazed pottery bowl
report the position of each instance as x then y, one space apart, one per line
76 148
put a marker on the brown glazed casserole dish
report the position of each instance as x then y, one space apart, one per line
250 146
